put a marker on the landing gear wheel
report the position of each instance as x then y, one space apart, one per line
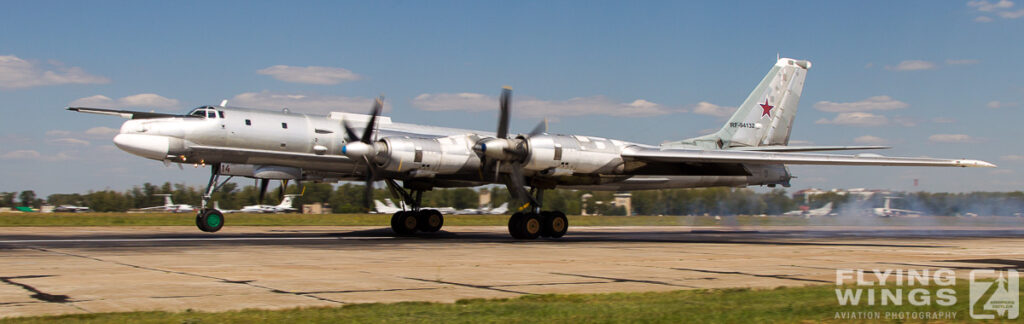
514 224
404 223
531 226
525 225
210 220
555 224
430 220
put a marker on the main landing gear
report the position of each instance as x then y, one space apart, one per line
408 222
209 219
531 225
536 223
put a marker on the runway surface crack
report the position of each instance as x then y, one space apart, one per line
468 285
783 277
613 279
36 293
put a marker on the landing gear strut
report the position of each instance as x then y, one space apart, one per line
408 222
536 223
210 219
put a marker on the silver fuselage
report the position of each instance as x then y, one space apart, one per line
286 145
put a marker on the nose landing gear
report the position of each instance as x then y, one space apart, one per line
210 219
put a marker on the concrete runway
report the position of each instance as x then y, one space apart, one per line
61 270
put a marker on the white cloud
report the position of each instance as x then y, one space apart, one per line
983 5
912 65
870 140
531 107
58 132
872 103
1011 14
17 73
710 109
310 74
1002 8
951 138
70 141
999 104
33 155
862 119
142 100
456 101
306 103
1013 158
962 62
101 131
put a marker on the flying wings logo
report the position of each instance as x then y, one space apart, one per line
767 109
995 297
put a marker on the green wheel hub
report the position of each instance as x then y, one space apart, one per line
214 220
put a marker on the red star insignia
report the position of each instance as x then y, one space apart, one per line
767 108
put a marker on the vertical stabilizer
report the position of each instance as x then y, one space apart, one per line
766 116
286 202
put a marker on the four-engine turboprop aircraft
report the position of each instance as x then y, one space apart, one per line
751 149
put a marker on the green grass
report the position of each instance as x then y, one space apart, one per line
780 305
188 219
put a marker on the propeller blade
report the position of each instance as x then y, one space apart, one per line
506 98
281 189
368 132
368 189
541 128
350 133
263 190
517 182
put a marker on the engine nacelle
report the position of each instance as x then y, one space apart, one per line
426 157
558 155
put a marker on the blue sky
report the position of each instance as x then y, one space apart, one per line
931 78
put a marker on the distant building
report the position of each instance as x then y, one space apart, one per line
625 200
315 208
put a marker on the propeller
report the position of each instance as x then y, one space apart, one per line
361 147
263 190
514 151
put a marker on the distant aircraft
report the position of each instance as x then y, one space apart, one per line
170 206
381 208
751 149
284 207
71 209
823 211
887 211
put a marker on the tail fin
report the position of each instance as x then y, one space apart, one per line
286 202
379 206
766 117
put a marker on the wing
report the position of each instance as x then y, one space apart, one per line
636 153
127 113
788 148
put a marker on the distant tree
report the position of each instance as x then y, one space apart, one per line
27 197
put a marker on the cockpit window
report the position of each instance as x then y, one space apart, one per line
206 112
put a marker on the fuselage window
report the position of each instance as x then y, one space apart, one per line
248 122
200 113
211 114
221 113
284 125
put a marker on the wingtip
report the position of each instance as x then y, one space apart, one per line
975 164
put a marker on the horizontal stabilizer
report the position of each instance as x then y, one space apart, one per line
126 113
788 148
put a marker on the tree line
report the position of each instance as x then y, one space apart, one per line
348 198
